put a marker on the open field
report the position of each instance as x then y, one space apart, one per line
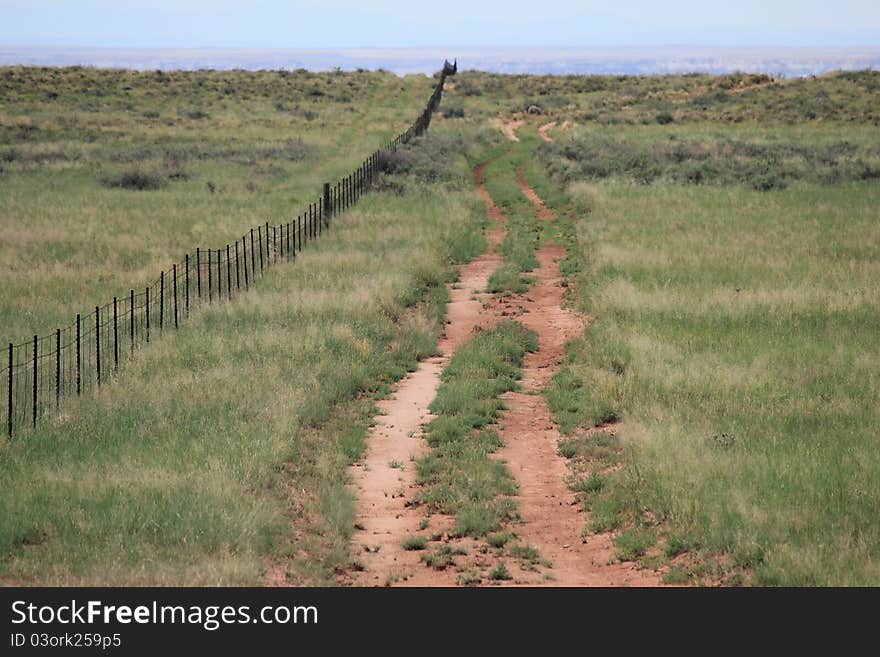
715 423
731 363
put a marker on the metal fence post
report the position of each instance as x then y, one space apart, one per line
186 284
57 369
9 396
174 285
98 343
35 383
115 337
131 311
228 274
161 301
198 272
78 357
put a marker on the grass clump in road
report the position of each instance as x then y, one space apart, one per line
415 543
458 476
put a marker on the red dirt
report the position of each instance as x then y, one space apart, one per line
383 491
544 129
552 521
510 126
540 209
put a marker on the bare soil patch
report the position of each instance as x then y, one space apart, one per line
544 129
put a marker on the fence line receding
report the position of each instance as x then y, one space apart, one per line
36 375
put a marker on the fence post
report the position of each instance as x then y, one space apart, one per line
35 382
57 369
131 311
161 301
260 246
319 214
288 241
237 269
174 285
210 286
9 396
98 343
219 278
274 244
199 273
147 309
253 260
115 336
186 284
328 206
244 254
228 274
266 234
78 358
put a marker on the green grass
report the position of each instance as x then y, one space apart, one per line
734 336
523 230
220 452
108 176
722 235
415 543
458 477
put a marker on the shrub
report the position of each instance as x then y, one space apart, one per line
135 180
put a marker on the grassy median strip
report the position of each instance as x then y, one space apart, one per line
459 477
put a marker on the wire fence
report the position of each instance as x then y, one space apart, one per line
39 374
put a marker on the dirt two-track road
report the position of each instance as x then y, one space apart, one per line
551 520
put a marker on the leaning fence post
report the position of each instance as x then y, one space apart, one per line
115 337
35 382
57 369
174 285
78 357
9 396
98 343
299 230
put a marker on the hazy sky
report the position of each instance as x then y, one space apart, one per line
392 23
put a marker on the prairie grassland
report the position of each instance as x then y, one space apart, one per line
723 235
218 152
219 453
227 445
735 337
